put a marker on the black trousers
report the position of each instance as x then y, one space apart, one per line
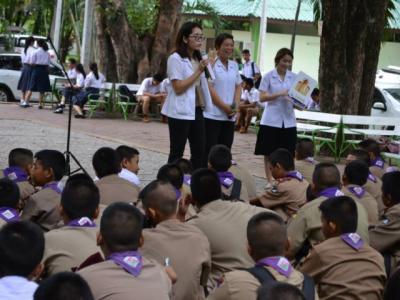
192 130
219 132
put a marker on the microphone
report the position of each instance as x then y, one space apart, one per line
209 68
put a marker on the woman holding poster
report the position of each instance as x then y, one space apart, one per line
278 122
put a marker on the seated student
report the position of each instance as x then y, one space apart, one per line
220 160
21 250
9 198
42 207
267 240
125 273
279 290
248 104
185 165
306 225
150 90
354 178
70 245
378 165
385 236
107 165
289 194
63 286
241 173
220 219
304 154
130 164
344 266
20 162
172 174
373 184
183 244
313 101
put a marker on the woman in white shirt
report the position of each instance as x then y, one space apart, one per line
188 94
39 81
26 60
94 81
278 122
225 93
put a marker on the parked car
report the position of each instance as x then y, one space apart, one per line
10 71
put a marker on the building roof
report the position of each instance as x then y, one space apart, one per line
276 9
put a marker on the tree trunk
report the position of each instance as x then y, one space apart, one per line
169 15
345 73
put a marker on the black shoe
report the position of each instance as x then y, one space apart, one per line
78 116
59 110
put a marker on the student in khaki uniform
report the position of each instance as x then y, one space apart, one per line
267 240
69 246
385 236
20 162
220 160
306 225
354 178
183 244
107 165
9 198
241 173
279 290
344 266
378 165
125 273
223 222
42 207
172 174
289 194
304 154
373 184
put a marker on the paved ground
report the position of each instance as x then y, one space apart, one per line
39 129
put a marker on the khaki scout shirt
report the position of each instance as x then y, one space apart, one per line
375 189
306 224
25 189
239 172
189 252
367 201
42 209
306 168
341 272
115 189
287 197
68 247
109 281
225 224
377 171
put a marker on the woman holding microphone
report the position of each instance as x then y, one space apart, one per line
188 95
278 122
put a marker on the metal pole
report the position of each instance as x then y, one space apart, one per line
87 33
57 25
263 31
296 20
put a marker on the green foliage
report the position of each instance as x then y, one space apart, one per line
202 6
142 15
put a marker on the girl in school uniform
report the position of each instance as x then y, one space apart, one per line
94 81
278 122
40 81
225 93
26 59
188 94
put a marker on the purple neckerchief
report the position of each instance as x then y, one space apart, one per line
130 261
353 240
295 174
9 214
357 190
331 192
378 162
278 263
15 174
233 162
54 186
310 160
372 178
82 222
391 169
178 193
186 179
226 179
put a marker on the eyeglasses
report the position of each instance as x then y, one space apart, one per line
198 38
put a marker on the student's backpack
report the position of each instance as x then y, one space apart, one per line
124 90
235 192
257 83
265 277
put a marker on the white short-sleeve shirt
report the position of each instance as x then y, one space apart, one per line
252 96
183 106
72 74
164 84
40 57
27 58
278 112
148 87
248 70
91 81
80 80
225 82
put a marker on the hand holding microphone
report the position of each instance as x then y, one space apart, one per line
208 68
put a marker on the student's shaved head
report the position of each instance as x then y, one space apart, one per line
266 235
160 196
326 175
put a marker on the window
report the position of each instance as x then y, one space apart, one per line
395 93
10 63
378 97
55 70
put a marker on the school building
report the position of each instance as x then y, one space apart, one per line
244 16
